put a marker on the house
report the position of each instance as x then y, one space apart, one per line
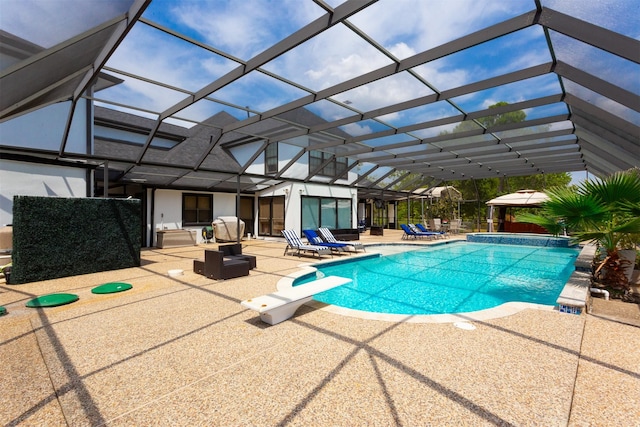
178 198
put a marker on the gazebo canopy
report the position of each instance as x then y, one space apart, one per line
522 198
448 191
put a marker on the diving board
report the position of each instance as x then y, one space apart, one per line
281 305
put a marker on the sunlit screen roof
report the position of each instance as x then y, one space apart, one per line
398 87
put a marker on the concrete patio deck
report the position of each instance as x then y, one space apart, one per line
182 351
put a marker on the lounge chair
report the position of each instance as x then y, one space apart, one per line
328 237
316 240
295 244
412 234
422 229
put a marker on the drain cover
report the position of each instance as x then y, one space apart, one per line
110 288
464 325
52 300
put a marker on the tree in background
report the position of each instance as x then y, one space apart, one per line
489 188
478 192
475 193
491 121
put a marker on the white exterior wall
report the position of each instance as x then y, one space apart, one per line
22 179
42 129
294 192
168 210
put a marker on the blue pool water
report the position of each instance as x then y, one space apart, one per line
453 278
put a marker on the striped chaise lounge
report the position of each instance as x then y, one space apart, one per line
295 244
314 239
328 236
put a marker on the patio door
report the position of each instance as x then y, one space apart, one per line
247 214
271 216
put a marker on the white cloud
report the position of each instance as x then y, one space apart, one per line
401 50
391 117
154 55
140 94
390 90
330 58
442 77
356 129
422 25
244 28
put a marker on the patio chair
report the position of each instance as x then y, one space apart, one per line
412 234
234 251
455 225
295 244
422 229
328 236
216 267
316 240
435 224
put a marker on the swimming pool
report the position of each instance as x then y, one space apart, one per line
458 277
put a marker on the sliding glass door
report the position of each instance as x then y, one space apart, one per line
326 212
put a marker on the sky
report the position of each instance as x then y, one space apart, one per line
243 29
237 31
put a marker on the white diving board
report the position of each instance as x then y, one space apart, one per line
281 305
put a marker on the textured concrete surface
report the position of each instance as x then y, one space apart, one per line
182 351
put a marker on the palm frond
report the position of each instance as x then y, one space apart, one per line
632 227
618 188
630 208
580 211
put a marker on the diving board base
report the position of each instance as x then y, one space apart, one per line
280 306
282 312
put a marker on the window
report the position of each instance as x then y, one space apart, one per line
326 212
113 131
335 167
271 158
197 209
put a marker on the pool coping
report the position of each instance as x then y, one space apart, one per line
575 295
576 281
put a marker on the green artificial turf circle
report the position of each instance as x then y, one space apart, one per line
52 300
110 288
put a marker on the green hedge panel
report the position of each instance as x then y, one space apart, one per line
60 237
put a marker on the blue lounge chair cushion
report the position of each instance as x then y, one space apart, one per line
408 232
314 239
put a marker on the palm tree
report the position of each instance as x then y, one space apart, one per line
606 212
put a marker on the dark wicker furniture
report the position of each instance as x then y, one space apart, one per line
215 266
235 252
